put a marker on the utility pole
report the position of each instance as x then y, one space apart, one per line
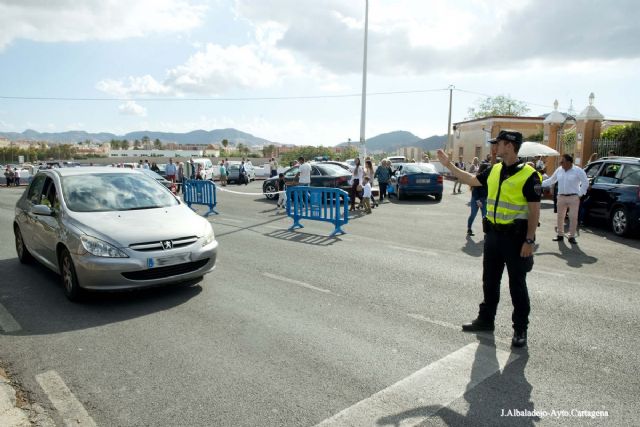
363 110
449 136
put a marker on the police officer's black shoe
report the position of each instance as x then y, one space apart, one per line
558 239
478 325
572 240
519 339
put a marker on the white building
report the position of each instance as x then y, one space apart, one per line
156 153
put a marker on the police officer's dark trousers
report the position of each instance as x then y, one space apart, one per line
500 249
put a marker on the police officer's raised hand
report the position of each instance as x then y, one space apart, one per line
444 159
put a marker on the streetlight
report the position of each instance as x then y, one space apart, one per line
363 110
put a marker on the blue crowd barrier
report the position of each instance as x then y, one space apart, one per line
318 204
200 192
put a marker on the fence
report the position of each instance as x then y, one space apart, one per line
200 192
604 146
318 204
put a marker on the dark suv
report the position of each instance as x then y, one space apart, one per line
614 194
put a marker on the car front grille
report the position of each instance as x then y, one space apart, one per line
158 245
163 272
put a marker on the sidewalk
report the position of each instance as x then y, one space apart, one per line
16 411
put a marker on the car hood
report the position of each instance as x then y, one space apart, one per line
124 228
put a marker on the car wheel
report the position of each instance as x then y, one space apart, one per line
620 221
270 188
69 278
24 255
438 196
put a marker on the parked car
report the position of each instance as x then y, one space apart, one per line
396 159
416 179
614 193
207 167
161 179
322 175
110 228
234 172
343 165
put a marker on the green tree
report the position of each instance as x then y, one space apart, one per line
137 144
498 106
124 144
538 136
631 141
268 150
614 133
115 144
157 144
569 141
225 144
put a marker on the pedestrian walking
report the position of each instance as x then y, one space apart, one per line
304 172
572 185
223 174
273 165
8 176
370 173
282 188
367 195
356 178
457 183
180 177
513 210
242 174
383 175
16 177
154 167
478 201
170 171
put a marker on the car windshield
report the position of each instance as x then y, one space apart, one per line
234 167
114 192
419 168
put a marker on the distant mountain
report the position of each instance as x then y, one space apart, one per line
391 141
234 136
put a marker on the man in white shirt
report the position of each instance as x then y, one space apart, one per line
572 184
304 172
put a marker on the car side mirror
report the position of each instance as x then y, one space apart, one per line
42 210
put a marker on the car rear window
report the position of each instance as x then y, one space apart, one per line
114 192
419 168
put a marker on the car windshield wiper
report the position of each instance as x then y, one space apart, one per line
139 208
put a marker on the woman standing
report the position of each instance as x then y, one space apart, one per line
370 173
356 180
383 174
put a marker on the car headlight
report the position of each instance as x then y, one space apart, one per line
208 238
101 248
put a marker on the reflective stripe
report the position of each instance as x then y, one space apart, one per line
509 217
509 206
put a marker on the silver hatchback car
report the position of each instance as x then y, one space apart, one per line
110 229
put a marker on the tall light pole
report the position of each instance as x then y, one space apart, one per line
363 110
449 139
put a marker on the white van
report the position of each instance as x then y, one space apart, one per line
396 159
207 167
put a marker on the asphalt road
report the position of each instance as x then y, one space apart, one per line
297 328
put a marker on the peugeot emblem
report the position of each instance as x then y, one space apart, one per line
167 244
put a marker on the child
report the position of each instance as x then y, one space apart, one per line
282 197
366 194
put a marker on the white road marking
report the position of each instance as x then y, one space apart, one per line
70 409
417 251
456 327
237 221
434 386
7 322
296 282
551 273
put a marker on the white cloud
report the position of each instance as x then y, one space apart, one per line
135 86
74 21
131 108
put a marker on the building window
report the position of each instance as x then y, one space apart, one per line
478 152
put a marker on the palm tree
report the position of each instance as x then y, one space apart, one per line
225 144
157 144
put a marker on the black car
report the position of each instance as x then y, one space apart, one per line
614 193
322 175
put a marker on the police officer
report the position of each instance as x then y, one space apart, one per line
513 210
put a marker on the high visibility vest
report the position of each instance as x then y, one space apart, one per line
505 202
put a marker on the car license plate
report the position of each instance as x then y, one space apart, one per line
423 181
168 260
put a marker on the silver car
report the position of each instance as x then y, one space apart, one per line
110 228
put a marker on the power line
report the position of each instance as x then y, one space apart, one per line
264 98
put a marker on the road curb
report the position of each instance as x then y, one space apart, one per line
14 412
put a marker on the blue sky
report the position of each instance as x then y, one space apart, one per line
150 56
